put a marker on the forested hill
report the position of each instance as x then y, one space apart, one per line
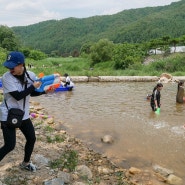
134 25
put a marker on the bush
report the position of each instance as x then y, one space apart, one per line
101 51
37 55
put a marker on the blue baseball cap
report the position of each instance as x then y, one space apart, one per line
14 59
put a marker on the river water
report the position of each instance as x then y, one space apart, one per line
141 137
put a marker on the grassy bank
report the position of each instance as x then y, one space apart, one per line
152 66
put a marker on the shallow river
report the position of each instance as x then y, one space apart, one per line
141 138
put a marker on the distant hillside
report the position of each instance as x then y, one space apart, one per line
134 25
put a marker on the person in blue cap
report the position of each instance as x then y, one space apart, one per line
18 85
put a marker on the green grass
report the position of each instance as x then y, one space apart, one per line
73 66
68 160
173 64
48 129
57 139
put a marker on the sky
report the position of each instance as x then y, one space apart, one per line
27 12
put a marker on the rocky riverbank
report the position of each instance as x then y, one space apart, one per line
63 159
52 143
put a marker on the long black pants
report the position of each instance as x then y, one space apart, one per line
9 135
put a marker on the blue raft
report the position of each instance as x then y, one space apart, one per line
63 88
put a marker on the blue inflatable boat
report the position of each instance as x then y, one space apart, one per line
63 88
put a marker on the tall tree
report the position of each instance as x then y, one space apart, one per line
174 42
8 39
102 51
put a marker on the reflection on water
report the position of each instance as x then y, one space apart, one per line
141 138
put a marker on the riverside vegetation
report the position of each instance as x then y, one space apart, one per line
153 65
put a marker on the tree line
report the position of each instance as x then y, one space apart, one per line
65 37
122 54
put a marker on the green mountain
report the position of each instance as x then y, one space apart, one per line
133 26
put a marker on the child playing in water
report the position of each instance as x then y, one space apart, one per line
67 80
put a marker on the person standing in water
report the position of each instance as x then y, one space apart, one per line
156 96
180 92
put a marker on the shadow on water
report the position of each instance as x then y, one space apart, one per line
141 138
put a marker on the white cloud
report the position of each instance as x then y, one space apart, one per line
21 13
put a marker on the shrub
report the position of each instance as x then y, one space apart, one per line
68 160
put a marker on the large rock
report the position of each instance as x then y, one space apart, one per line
166 75
107 139
163 171
174 180
83 170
